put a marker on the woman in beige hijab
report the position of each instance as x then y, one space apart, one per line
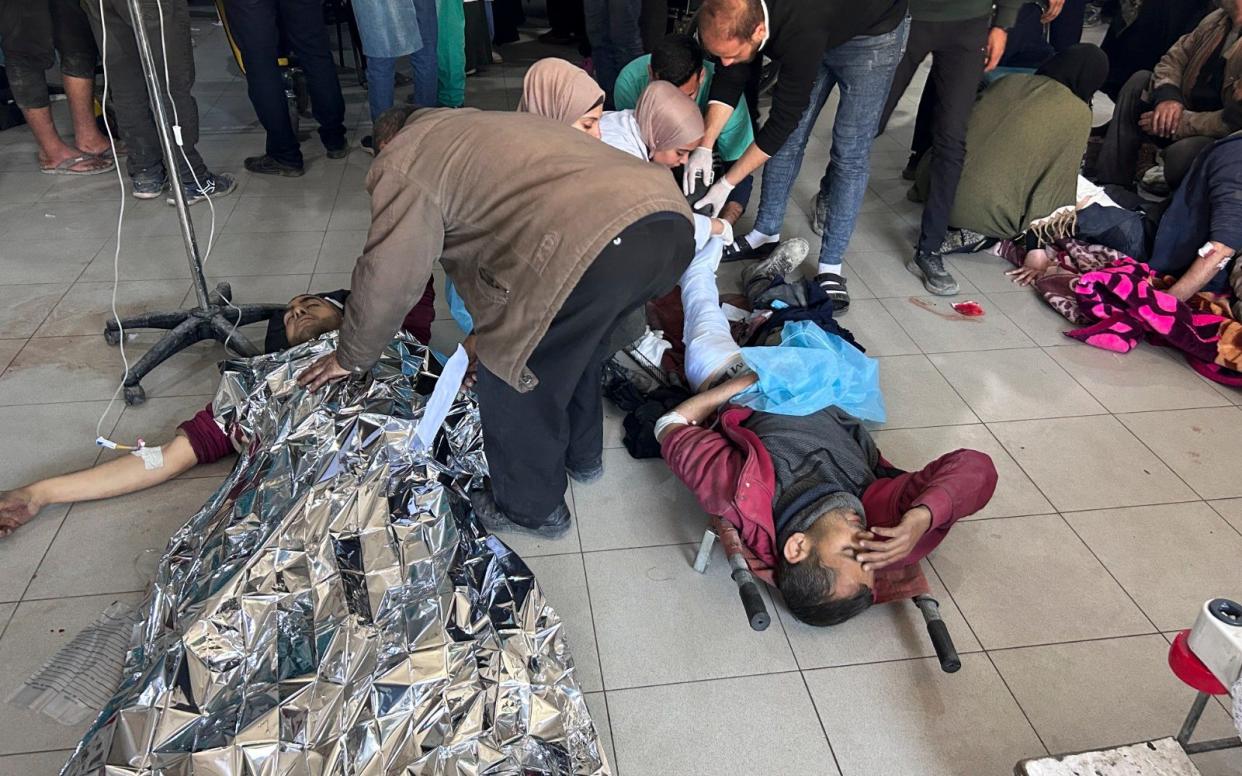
664 127
555 89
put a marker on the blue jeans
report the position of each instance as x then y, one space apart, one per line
864 67
381 71
616 38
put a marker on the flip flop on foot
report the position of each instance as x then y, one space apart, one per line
834 286
83 164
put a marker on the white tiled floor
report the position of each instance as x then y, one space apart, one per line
1061 595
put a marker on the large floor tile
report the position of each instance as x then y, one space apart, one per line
341 249
1166 384
1224 763
916 395
1202 446
9 350
892 631
1231 510
944 331
597 704
1034 317
1097 694
125 534
48 259
1017 384
1028 580
21 552
636 504
985 270
876 330
563 579
84 368
780 734
298 211
352 211
1170 558
87 306
36 631
655 616
1064 458
40 763
277 253
884 271
28 186
153 258
912 449
27 306
911 718
44 440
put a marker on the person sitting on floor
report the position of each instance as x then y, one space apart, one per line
678 59
1194 91
558 90
198 440
811 496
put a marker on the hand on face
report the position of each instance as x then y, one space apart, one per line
884 546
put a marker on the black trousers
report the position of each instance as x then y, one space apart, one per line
259 26
531 437
127 86
32 33
957 65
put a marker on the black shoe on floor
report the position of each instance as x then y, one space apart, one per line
930 267
210 186
339 152
368 144
740 250
493 519
266 165
911 170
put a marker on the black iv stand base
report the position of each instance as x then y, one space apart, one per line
214 317
218 320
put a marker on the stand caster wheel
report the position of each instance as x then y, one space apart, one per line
112 336
135 396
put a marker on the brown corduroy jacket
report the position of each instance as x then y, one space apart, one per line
515 206
1175 75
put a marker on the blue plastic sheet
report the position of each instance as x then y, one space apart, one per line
810 370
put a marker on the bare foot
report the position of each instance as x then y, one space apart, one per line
17 507
97 145
91 164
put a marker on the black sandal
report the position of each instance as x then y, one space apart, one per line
833 285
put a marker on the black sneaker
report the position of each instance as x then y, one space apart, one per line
214 185
740 250
493 519
338 152
930 267
266 165
148 185
911 170
368 145
585 473
820 216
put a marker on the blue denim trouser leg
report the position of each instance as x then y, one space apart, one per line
863 67
381 74
424 61
616 37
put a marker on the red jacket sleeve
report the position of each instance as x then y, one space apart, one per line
707 462
207 440
418 319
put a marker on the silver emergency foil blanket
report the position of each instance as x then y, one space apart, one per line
335 609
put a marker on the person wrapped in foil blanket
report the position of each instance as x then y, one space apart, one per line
334 608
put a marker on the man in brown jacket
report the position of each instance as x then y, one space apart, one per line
1193 96
550 237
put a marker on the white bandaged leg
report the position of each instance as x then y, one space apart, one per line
709 345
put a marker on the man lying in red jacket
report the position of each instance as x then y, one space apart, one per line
815 501
199 440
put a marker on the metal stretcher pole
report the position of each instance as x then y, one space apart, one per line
747 585
939 633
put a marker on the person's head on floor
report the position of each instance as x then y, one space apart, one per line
388 124
669 122
678 59
561 91
1081 68
305 318
733 30
818 572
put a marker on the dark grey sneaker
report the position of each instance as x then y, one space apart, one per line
930 267
148 185
585 473
820 216
493 519
214 185
266 165
787 257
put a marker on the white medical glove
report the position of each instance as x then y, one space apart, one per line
698 165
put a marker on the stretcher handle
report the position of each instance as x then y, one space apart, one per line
752 601
946 653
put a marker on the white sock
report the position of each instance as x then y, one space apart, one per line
757 238
833 268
